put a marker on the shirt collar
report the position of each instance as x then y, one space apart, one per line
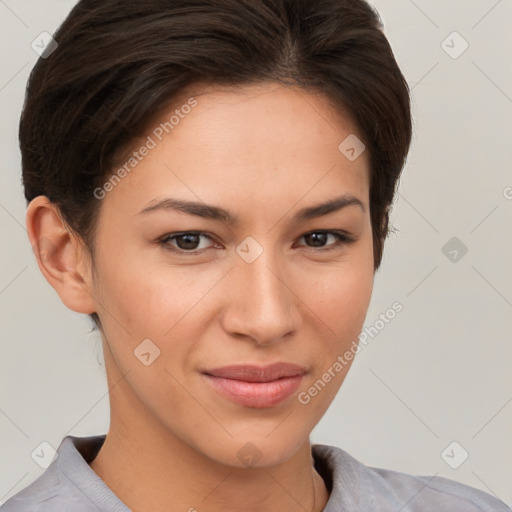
339 470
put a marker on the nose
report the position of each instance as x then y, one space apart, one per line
261 305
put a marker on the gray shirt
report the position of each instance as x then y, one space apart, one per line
69 484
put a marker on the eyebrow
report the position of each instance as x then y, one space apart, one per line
220 214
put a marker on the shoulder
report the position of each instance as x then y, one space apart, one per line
388 490
68 483
423 493
43 494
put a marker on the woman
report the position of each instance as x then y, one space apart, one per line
210 181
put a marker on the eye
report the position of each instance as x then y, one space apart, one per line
189 242
319 239
185 242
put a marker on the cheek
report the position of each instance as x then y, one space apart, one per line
340 303
149 296
345 314
340 295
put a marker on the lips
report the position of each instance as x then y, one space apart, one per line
256 386
253 373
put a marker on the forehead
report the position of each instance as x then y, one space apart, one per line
271 142
287 109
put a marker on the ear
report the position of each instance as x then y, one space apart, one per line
61 255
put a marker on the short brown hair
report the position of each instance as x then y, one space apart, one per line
119 63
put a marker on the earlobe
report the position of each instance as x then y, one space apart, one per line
60 255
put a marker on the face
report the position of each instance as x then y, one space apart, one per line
197 301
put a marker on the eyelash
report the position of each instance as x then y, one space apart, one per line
342 239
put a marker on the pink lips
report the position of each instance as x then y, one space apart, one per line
256 386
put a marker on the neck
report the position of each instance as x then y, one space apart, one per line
150 468
147 474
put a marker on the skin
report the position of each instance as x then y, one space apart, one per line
262 152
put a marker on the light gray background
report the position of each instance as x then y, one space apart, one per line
439 372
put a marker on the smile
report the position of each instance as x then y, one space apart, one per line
254 386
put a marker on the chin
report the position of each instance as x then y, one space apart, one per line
254 452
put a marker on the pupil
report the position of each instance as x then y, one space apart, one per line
318 237
187 245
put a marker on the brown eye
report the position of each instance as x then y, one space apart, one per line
189 241
319 239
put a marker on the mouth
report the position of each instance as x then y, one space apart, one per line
256 386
